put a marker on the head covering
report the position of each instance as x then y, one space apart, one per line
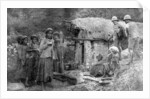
24 37
114 18
114 49
56 33
34 36
127 17
48 29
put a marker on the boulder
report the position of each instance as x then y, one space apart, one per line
125 54
76 74
15 87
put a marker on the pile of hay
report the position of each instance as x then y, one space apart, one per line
99 27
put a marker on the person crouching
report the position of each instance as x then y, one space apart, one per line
113 60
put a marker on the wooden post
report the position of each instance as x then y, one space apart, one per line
62 52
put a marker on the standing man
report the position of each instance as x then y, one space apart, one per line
133 37
119 34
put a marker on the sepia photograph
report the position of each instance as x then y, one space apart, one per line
74 49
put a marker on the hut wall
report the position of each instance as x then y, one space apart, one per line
99 49
88 53
78 55
92 51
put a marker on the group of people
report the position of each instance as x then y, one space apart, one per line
130 33
36 58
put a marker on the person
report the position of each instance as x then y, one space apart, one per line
133 38
45 67
32 57
119 34
109 65
113 60
59 47
21 56
56 63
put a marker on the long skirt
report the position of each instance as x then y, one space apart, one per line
45 70
28 68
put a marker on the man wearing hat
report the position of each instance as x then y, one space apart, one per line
133 37
119 34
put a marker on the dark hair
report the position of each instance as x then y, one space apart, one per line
48 29
24 40
34 37
19 39
56 34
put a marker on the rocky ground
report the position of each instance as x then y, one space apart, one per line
130 78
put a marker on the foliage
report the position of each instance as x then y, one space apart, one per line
28 21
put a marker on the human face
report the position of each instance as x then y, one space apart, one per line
34 40
25 40
115 22
49 35
56 37
127 21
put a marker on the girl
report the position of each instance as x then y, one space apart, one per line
45 67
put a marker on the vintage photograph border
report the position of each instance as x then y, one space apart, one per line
73 4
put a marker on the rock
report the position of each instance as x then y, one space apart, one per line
81 88
97 70
15 87
76 74
125 54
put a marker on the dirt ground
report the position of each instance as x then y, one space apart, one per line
129 78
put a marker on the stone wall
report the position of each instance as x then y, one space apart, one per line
94 50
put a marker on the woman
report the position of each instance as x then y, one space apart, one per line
21 56
35 46
31 60
45 67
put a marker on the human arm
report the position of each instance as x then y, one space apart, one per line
43 45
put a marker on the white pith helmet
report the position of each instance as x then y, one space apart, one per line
127 17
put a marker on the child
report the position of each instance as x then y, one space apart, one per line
45 67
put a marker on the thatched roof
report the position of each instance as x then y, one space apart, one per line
99 27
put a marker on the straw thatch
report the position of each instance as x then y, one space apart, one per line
99 27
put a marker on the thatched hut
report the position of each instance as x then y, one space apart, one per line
92 39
